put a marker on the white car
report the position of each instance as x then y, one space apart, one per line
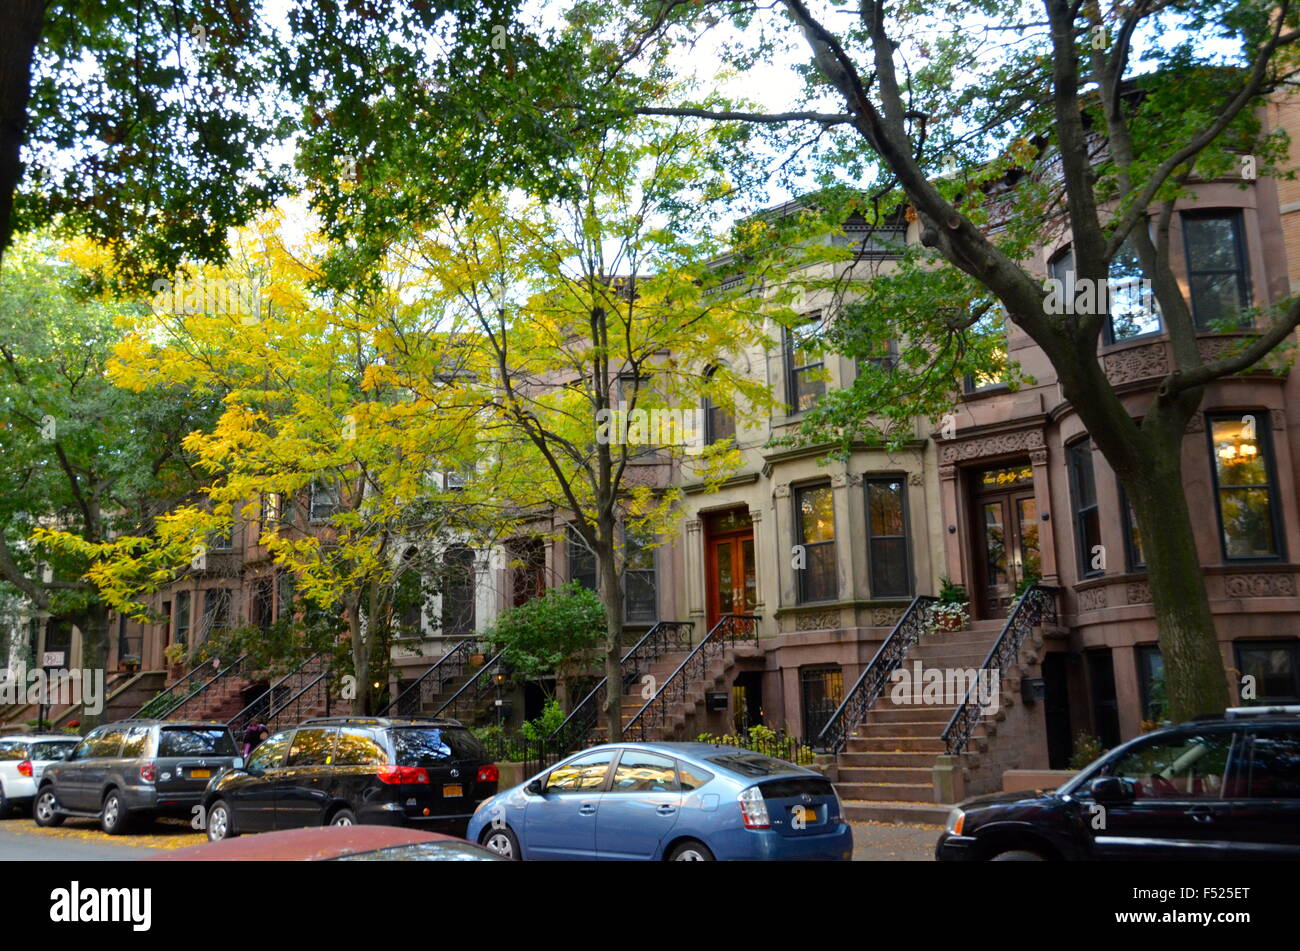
23 759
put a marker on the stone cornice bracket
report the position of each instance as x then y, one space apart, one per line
781 490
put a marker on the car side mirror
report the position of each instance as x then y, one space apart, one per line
1113 789
535 788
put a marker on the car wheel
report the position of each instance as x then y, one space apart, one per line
221 822
1017 855
45 811
344 817
113 817
502 841
5 808
690 851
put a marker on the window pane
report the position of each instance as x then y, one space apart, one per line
1215 267
458 609
638 771
583 774
889 574
312 748
1272 667
187 742
816 515
1275 766
360 748
885 504
819 576
1177 767
691 776
1211 242
271 753
1133 307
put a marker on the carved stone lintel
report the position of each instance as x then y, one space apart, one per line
1000 445
947 472
1038 457
1260 586
1093 599
817 621
1136 363
885 617
1138 592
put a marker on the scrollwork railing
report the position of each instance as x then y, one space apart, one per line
471 700
194 698
871 683
272 700
453 664
663 638
168 700
653 715
1033 607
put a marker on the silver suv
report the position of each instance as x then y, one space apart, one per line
135 769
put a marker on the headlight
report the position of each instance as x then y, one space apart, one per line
956 820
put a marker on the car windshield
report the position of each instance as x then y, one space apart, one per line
195 742
51 751
429 746
753 764
423 852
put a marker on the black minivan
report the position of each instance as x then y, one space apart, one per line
1223 787
422 773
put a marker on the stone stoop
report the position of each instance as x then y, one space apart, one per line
886 771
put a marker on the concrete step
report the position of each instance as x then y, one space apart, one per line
896 744
885 774
908 713
863 760
913 728
897 813
887 792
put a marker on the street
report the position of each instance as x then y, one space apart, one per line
80 840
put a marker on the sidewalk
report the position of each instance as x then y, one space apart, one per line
885 842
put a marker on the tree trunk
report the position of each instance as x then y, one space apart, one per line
360 658
94 640
611 595
1194 676
21 22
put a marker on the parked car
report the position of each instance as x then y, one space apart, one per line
23 758
420 772
672 801
335 844
134 770
1214 788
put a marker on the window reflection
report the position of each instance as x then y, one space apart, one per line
1242 473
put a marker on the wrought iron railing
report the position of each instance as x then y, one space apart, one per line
470 702
1036 604
869 686
664 638
273 698
653 715
453 664
192 700
161 704
306 702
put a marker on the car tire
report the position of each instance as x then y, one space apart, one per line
501 841
344 817
45 809
6 810
690 851
221 822
113 816
1017 855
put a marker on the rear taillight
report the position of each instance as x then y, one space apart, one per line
25 768
404 775
148 772
487 774
753 810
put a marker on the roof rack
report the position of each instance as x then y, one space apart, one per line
380 721
1280 710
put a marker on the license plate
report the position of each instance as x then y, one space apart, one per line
449 792
807 815
200 774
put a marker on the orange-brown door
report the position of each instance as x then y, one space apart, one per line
731 583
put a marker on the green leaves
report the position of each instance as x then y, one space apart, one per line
563 625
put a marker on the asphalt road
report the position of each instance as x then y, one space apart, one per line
80 840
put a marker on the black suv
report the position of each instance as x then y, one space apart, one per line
135 769
419 772
1215 788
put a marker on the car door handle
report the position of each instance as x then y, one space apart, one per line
1201 813
587 809
666 810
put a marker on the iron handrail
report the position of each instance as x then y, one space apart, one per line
460 650
577 725
142 712
276 712
489 664
266 699
725 629
237 664
870 684
1037 601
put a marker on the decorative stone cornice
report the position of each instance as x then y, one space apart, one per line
1003 444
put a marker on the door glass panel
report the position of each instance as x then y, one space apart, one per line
751 581
1027 516
270 754
1177 767
995 543
584 774
726 596
638 771
312 748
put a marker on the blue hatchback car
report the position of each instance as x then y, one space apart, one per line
667 801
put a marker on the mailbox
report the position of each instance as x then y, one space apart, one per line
715 700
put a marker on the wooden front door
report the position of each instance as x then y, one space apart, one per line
731 583
1005 532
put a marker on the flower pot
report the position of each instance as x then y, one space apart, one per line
477 660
